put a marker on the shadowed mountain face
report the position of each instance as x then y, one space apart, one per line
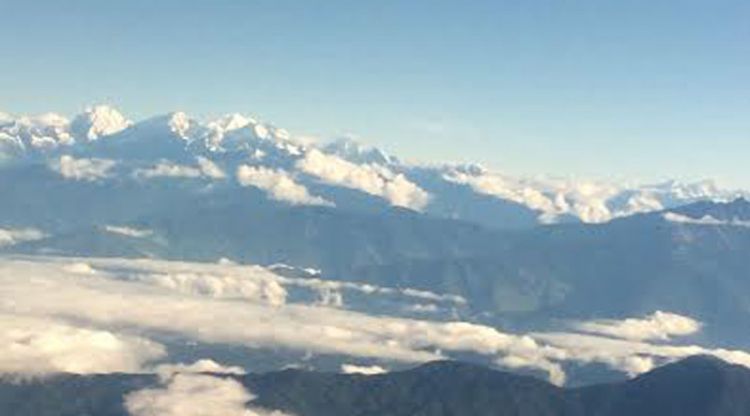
690 260
697 386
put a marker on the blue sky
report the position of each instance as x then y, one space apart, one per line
633 89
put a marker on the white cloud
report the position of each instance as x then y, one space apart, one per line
210 169
194 395
364 370
589 201
79 267
279 185
203 366
705 220
259 286
30 345
44 289
631 357
122 294
83 169
166 169
9 237
657 326
128 231
372 179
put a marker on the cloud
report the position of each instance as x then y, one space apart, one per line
194 395
127 294
372 179
589 201
203 366
258 287
30 345
43 288
631 357
88 170
657 326
128 231
210 169
365 370
79 267
9 237
166 169
705 220
279 185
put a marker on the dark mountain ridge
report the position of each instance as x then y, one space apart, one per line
696 386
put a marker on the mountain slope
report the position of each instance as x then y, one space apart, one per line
697 386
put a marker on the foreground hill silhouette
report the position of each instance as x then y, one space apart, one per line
697 386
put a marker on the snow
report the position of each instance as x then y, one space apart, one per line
98 121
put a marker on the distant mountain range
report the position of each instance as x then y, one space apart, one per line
576 281
696 386
101 145
518 249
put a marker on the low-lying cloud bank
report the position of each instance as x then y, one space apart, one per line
10 237
657 326
87 170
279 185
189 394
705 220
205 168
101 318
369 178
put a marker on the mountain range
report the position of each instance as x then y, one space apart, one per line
577 281
696 386
102 144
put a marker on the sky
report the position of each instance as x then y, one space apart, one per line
629 90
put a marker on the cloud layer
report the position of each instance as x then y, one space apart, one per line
185 394
372 179
83 169
279 185
60 316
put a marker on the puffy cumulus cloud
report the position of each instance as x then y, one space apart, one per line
89 170
9 237
369 178
705 220
367 370
30 345
657 326
194 395
205 168
128 231
279 185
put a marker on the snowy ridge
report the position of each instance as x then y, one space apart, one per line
180 147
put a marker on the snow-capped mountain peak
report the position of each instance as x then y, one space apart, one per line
179 123
98 121
350 149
